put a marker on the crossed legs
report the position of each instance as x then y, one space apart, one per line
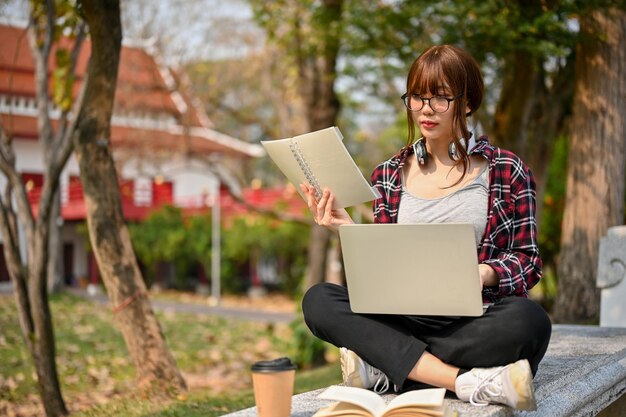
430 350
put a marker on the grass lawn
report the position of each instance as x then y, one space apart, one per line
97 376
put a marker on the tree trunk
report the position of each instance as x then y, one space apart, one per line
43 345
31 297
552 108
531 110
514 108
319 243
520 123
55 260
108 233
596 164
36 326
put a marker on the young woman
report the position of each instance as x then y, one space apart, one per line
447 176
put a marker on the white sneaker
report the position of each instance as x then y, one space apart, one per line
358 373
511 385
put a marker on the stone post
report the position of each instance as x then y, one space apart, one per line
610 280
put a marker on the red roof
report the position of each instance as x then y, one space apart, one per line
139 86
142 91
136 138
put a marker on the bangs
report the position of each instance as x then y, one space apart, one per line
428 77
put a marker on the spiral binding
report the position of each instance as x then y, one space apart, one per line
304 166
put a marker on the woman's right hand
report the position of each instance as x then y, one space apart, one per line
322 210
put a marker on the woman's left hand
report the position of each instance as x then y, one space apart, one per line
323 211
488 276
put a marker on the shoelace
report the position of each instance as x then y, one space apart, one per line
382 381
487 388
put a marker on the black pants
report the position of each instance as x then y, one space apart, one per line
513 328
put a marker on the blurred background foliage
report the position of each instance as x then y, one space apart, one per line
166 236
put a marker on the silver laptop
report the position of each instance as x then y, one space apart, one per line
414 269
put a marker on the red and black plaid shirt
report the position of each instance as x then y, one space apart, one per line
509 244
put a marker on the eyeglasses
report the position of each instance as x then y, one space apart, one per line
439 104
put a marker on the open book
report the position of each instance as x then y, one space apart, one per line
359 402
321 160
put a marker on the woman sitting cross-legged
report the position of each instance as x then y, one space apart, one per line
446 176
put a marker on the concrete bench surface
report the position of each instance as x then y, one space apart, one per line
584 371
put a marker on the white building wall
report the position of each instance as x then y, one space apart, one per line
191 180
29 158
28 155
191 188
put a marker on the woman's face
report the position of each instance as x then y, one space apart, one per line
433 121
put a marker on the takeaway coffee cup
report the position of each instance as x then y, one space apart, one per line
273 387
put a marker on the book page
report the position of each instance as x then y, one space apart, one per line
413 412
425 398
416 411
369 400
342 409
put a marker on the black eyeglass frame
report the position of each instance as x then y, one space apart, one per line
427 99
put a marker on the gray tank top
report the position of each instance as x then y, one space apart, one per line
466 205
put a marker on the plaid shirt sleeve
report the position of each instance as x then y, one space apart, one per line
510 244
387 180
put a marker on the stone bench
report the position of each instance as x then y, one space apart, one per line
583 372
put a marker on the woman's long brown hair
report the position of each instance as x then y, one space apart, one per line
448 67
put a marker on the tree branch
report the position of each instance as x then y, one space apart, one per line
49 37
6 154
243 116
7 166
80 37
16 268
40 57
9 233
63 145
6 149
61 153
10 214
14 263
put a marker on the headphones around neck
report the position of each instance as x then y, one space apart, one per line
421 154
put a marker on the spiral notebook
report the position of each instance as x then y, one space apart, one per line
321 160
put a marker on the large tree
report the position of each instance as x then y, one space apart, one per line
155 367
597 161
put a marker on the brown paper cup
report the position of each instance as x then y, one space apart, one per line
273 387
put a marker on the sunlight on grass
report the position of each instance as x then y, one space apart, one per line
97 375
